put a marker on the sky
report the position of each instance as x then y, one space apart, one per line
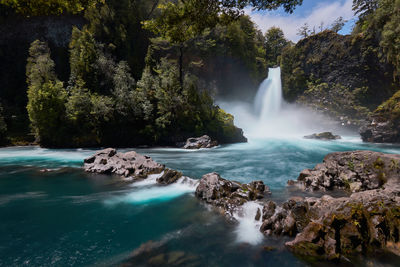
312 12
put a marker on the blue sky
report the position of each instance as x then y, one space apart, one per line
312 12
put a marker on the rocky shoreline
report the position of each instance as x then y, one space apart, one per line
324 228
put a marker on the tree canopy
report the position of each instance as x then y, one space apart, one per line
48 7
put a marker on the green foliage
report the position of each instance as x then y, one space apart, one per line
391 108
364 8
181 20
46 95
190 112
83 55
275 42
380 22
118 25
47 7
294 80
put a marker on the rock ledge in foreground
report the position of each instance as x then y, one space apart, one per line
329 228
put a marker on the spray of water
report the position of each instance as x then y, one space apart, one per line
270 116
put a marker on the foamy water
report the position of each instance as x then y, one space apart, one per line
248 229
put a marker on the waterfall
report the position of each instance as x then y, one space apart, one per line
268 100
270 116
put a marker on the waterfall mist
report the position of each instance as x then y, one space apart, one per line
270 116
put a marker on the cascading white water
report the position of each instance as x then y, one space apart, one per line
270 116
268 101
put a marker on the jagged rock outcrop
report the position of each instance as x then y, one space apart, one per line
323 136
200 142
383 126
354 171
341 227
228 195
380 131
342 76
109 161
288 219
329 228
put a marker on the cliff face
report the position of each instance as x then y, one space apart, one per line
16 35
342 76
384 123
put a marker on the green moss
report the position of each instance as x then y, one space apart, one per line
391 108
379 164
394 165
351 165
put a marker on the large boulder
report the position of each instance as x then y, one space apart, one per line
200 142
228 195
132 164
353 171
341 227
288 219
323 136
329 228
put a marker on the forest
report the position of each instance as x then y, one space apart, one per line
125 72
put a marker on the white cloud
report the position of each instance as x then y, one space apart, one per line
325 12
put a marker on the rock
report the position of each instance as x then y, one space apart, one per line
354 171
131 164
341 227
169 177
329 228
383 126
380 130
228 195
323 136
289 219
200 142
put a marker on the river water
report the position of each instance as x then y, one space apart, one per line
65 217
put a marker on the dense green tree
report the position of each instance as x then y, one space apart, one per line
380 25
118 25
47 7
275 42
83 55
46 96
180 21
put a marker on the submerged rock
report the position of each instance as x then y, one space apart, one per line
354 171
169 177
200 142
228 195
131 164
323 136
